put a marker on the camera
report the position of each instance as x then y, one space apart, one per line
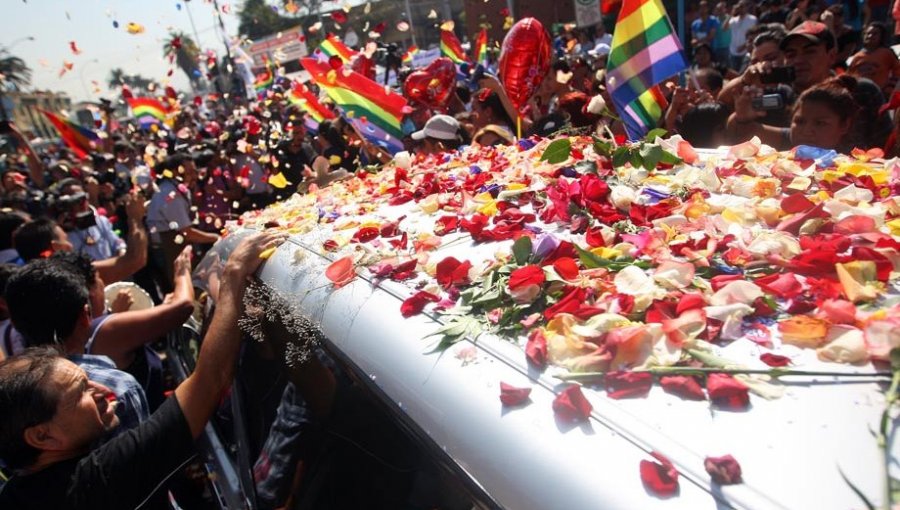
778 75
768 102
66 208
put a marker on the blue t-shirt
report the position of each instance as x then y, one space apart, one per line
700 29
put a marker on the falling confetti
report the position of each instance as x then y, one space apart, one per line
448 25
74 47
66 67
432 14
368 8
402 26
134 28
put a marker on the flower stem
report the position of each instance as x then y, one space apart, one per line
884 434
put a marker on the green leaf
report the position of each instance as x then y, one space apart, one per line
636 160
660 132
895 358
558 151
669 159
651 154
603 148
522 250
589 260
488 296
620 157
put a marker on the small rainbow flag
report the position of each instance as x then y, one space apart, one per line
332 46
301 96
80 139
373 110
645 52
265 79
147 110
410 52
451 48
480 50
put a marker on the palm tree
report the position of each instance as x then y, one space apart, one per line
187 55
116 78
14 72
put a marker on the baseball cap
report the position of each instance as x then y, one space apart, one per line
442 127
813 31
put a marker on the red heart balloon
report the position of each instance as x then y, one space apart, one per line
524 60
431 86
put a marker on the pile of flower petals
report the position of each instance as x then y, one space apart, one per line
629 268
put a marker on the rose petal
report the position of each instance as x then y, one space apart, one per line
727 391
724 470
803 330
774 360
783 285
341 272
683 386
628 384
536 348
839 311
526 276
566 268
416 303
513 396
660 478
571 405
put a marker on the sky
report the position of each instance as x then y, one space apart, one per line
54 23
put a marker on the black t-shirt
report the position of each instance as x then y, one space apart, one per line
123 473
291 163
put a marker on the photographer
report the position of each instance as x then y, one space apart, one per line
90 233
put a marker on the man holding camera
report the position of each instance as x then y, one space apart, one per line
90 233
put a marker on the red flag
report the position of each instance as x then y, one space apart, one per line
79 139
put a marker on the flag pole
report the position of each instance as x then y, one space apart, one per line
682 36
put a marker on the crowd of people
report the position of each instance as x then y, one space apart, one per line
147 202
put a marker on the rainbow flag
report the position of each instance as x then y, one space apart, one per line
645 52
147 110
479 53
373 110
332 46
408 56
451 48
301 96
80 139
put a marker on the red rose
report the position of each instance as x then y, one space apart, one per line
536 348
683 386
723 470
774 360
727 391
628 384
416 303
566 267
512 396
660 478
526 276
452 272
571 405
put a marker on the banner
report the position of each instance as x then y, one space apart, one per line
587 12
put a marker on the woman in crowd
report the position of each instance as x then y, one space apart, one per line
876 61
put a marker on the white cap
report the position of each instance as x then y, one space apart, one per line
600 50
442 127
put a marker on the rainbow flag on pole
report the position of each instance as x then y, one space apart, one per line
479 52
374 111
147 110
301 96
645 52
80 139
451 48
265 79
332 46
408 56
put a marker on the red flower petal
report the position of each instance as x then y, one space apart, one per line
839 311
690 301
446 225
683 386
783 285
727 391
855 224
452 272
796 203
536 348
724 470
416 303
526 276
660 478
340 272
513 396
366 234
570 405
774 360
628 384
566 267
404 271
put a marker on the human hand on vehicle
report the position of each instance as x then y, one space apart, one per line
245 259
